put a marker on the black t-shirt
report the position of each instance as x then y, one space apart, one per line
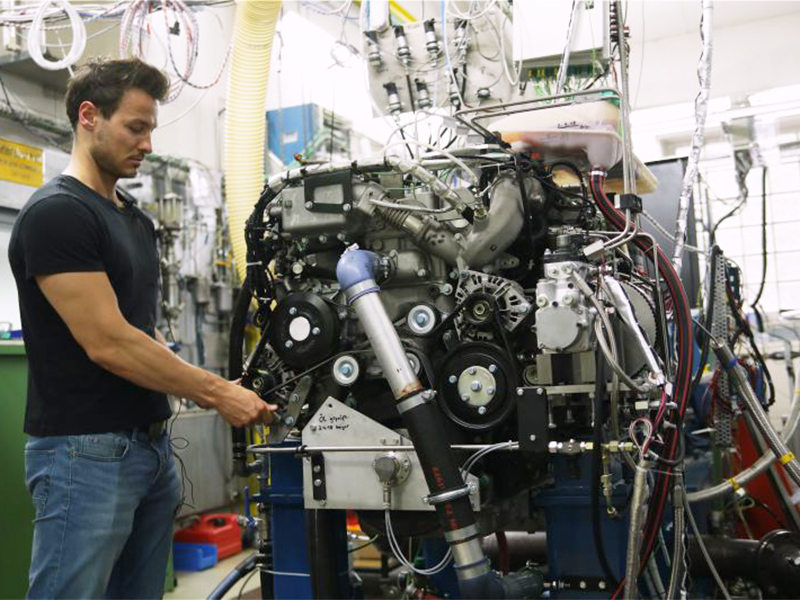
68 227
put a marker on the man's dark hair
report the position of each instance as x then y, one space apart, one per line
103 82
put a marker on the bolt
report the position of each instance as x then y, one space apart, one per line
293 311
346 369
567 268
533 437
316 331
481 410
553 272
492 368
323 238
317 482
490 391
289 420
309 205
422 273
294 398
601 584
346 207
452 379
447 289
289 343
796 561
458 237
465 397
520 392
341 237
317 469
476 386
422 318
472 370
582 585
568 300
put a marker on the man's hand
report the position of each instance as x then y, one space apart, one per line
241 407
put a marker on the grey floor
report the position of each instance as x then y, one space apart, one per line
199 584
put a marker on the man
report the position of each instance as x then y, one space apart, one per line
98 461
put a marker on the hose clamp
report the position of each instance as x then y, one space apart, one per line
473 570
361 288
414 401
463 534
449 496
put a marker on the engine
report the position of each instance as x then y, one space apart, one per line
385 289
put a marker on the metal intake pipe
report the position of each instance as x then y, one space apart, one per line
356 273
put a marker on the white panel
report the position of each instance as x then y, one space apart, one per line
540 30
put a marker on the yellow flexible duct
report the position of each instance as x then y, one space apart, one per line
244 122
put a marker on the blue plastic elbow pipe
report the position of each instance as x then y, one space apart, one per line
357 266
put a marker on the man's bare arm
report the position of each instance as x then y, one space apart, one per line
161 339
114 344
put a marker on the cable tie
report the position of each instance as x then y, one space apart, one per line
734 483
787 458
731 363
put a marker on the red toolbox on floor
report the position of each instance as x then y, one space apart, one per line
220 529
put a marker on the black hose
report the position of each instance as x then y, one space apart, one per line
571 166
763 236
599 418
239 571
744 327
235 362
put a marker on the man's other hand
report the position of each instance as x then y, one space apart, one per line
241 407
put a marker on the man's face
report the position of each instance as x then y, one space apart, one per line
118 144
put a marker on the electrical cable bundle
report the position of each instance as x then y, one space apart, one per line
35 36
133 24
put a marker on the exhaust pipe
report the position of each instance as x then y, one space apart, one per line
356 272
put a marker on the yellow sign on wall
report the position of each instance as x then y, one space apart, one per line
21 164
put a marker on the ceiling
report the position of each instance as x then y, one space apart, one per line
669 18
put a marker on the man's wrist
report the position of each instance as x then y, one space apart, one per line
210 390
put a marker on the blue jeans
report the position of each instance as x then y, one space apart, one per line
104 509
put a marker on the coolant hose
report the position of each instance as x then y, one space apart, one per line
244 121
239 571
771 562
357 271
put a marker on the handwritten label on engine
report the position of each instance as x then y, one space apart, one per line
333 422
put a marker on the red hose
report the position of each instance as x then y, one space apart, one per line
685 356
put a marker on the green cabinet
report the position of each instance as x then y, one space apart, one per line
16 510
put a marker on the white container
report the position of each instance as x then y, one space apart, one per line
584 133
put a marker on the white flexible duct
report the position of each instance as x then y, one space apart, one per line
244 123
35 36
758 467
700 111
